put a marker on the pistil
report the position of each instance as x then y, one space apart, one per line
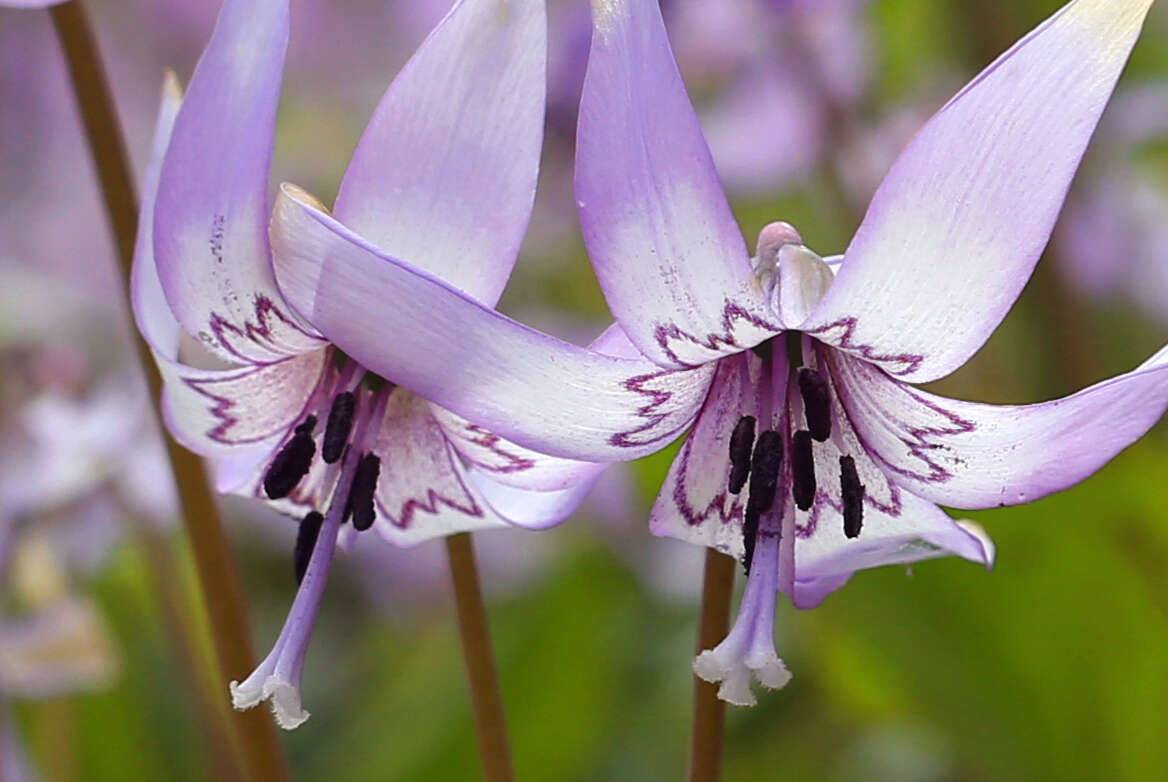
766 464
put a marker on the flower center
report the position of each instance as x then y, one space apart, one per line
347 489
780 463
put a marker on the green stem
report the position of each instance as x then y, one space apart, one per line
490 724
709 711
219 578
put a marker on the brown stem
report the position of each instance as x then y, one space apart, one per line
218 575
490 724
211 713
709 714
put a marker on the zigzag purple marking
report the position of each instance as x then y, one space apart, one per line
487 439
266 314
430 503
731 314
915 438
717 504
911 361
222 405
657 398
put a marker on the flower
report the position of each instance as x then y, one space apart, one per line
444 175
812 456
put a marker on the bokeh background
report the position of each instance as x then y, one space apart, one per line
1052 667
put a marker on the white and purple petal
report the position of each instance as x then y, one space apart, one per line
972 455
666 248
211 214
537 391
956 227
445 173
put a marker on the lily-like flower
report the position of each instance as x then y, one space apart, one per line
444 175
812 456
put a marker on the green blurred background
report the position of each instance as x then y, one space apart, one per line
1051 667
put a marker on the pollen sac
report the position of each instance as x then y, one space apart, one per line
802 470
816 403
766 464
853 497
360 504
305 542
292 462
741 442
338 426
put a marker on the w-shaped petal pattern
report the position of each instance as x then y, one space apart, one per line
666 248
211 216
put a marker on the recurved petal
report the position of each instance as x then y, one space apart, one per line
210 219
971 455
445 173
212 412
422 491
419 332
695 504
221 412
495 460
666 248
528 508
956 227
916 529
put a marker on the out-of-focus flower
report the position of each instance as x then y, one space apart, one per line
55 644
849 459
1113 238
770 77
444 177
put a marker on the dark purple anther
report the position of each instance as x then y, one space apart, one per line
853 498
336 430
802 470
360 503
766 464
741 441
816 403
292 462
305 542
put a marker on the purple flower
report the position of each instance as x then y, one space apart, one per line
445 176
812 456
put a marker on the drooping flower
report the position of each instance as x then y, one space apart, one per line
812 456
444 175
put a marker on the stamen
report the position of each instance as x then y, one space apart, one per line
802 470
765 466
305 542
360 503
307 427
741 441
340 423
853 496
816 403
292 462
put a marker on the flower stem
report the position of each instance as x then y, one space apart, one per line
709 714
218 576
490 725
